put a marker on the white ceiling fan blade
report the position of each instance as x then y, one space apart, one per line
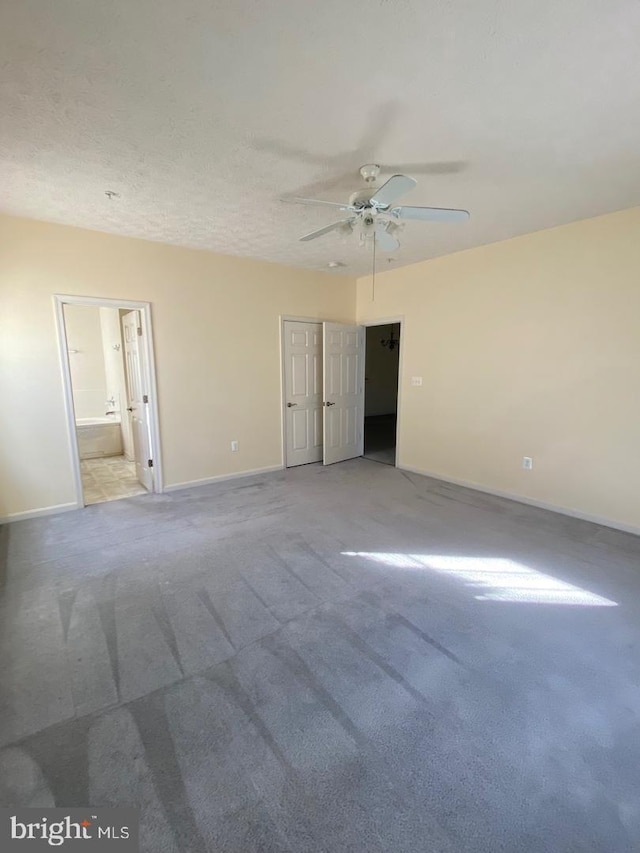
396 186
317 201
327 228
431 214
387 242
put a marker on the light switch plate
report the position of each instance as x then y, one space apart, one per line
416 380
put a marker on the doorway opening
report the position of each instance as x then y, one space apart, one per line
109 382
382 365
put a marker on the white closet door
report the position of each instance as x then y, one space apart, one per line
343 373
303 392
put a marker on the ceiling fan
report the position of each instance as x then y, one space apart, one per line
372 210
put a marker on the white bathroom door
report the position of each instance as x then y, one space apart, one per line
343 369
302 392
137 396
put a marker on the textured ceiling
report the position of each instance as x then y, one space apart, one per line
202 114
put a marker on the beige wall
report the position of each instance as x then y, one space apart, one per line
86 360
216 327
526 347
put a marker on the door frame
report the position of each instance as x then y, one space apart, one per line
59 301
385 321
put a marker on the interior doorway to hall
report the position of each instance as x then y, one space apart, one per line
109 386
382 362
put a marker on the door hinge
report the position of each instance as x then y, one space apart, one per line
145 398
140 331
149 463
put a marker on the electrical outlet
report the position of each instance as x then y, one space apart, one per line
234 446
527 463
416 380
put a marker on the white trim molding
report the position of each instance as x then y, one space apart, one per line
38 513
173 487
59 301
499 493
220 478
390 321
384 321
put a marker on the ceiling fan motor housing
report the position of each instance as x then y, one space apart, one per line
362 198
370 172
372 210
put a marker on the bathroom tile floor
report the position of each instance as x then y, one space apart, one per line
109 478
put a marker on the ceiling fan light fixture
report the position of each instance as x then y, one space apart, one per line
345 232
374 213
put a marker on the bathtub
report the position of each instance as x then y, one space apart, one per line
99 437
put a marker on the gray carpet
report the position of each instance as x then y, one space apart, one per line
326 659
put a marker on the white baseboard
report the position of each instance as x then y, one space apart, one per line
573 513
37 513
174 487
192 484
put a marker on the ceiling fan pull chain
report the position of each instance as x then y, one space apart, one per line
373 277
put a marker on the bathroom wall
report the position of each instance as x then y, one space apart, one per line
381 369
114 370
86 359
